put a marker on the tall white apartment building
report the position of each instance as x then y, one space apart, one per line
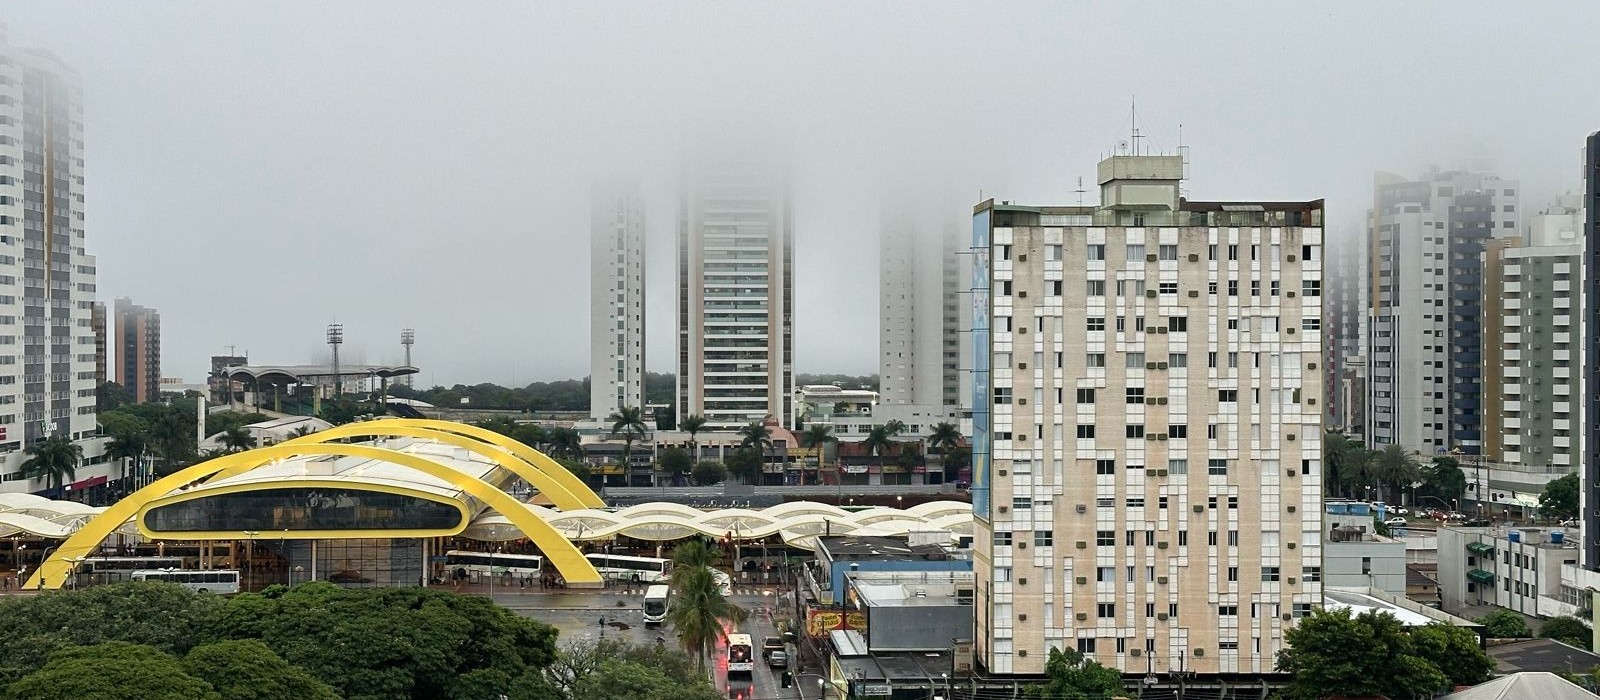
1147 426
1424 376
919 311
736 297
616 299
47 278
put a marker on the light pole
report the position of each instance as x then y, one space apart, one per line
73 572
249 554
292 572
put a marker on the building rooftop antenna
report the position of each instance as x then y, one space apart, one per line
1080 190
1183 153
1134 123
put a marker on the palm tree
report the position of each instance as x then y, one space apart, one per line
629 421
699 612
877 440
1395 466
693 424
754 436
237 439
301 432
1342 460
126 445
942 437
564 442
55 459
894 427
691 554
817 435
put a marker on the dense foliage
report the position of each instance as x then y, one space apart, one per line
565 395
1070 676
1560 498
1331 653
1504 624
1570 630
300 642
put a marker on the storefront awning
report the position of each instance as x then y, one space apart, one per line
86 483
1480 576
1480 548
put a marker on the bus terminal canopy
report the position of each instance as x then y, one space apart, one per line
305 374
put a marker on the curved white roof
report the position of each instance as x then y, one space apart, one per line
27 514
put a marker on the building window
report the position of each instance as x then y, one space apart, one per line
1043 538
1133 360
1311 288
1105 574
1095 359
1227 611
1217 467
1095 323
1105 610
1086 645
1168 252
1086 396
1021 503
1097 251
1178 324
1233 573
1311 573
1135 252
1135 432
1135 394
1269 573
1055 288
1228 395
1002 395
1095 288
1086 432
1178 432
1104 467
1178 466
1002 538
1105 538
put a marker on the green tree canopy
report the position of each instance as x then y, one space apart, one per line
626 680
590 670
245 669
745 463
1567 629
1560 498
1504 624
675 461
54 459
1332 653
1454 651
1070 676
162 616
708 474
111 671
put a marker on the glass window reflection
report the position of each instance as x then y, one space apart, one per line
304 509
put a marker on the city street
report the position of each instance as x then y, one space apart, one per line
578 614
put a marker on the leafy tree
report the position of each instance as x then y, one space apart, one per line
54 459
693 424
525 433
626 680
675 461
111 395
1504 624
1568 629
577 670
130 439
754 436
745 463
1071 676
846 381
1393 467
578 468
111 671
944 436
247 670
708 474
1454 651
1560 498
342 410
699 611
1443 479
158 615
1332 653
629 421
1344 461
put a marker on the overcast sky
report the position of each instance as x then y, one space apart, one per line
258 170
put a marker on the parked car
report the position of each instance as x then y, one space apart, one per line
770 645
1396 522
1569 523
778 659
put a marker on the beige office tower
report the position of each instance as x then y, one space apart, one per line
1147 426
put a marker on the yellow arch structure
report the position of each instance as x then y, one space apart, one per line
549 486
566 558
539 460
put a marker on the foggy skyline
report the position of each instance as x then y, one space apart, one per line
257 171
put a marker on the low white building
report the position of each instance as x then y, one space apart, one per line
1518 568
1353 556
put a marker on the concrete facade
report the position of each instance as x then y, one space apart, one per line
1424 351
1344 310
919 310
736 297
616 299
137 339
1147 424
1589 495
1515 567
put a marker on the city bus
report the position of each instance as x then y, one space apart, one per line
617 566
218 581
98 570
740 660
480 563
656 602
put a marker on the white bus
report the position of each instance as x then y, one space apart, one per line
617 566
656 603
480 563
740 659
218 581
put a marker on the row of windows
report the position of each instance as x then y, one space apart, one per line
1136 252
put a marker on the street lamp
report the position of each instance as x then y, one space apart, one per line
73 572
292 572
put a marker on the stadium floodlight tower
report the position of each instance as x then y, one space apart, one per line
335 339
408 338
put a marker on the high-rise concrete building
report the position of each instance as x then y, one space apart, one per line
47 279
1147 426
1531 360
616 299
1344 311
1589 411
1424 351
137 339
736 296
102 341
919 309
